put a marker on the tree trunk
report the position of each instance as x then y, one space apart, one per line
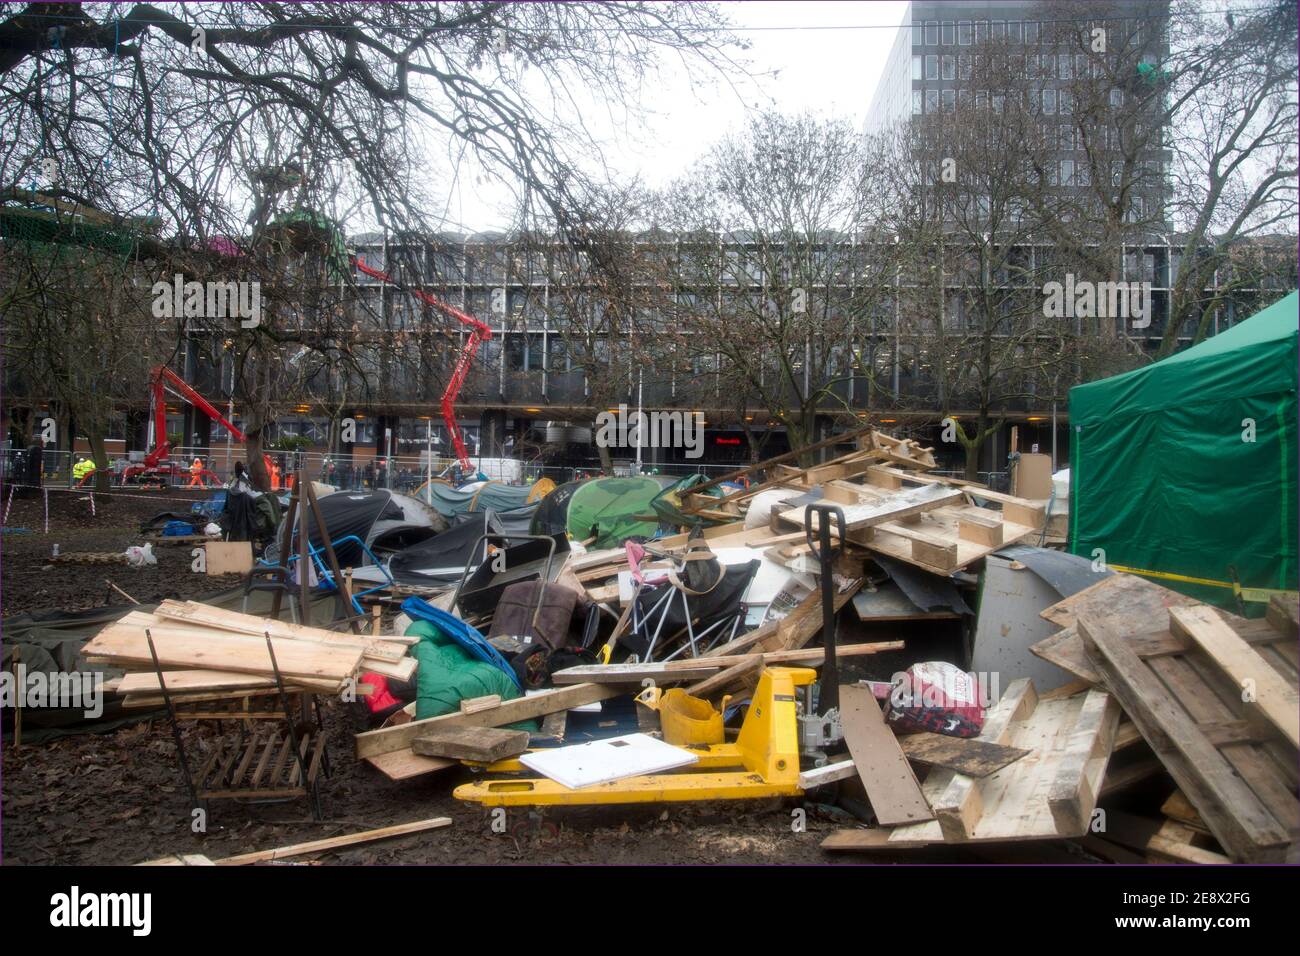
99 454
606 461
256 464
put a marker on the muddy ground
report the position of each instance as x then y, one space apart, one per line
119 798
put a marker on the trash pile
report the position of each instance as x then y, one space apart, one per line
647 641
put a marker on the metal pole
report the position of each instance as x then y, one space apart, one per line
640 376
428 464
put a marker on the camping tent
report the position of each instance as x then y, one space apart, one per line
609 509
1185 470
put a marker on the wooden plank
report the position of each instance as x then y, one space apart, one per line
1146 605
207 616
483 744
895 506
1241 823
939 532
1013 803
473 705
745 668
405 764
890 783
1284 614
388 739
966 755
980 530
1073 794
1262 687
228 557
185 648
698 668
334 843
180 682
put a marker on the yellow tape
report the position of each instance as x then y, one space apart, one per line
1255 595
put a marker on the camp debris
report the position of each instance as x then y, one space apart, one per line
783 631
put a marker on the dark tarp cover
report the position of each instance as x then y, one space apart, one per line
442 558
450 502
1166 477
552 515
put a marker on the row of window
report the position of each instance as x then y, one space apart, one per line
1036 66
1048 102
966 32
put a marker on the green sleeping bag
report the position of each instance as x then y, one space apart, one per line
448 674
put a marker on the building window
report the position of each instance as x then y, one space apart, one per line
1047 66
917 72
932 101
1083 175
1000 30
947 33
1067 102
1081 65
1049 102
1013 31
981 31
964 99
963 33
1116 173
931 33
1031 31
949 67
1035 104
1066 139
949 101
1117 98
932 66
1063 62
963 66
916 103
998 101
981 99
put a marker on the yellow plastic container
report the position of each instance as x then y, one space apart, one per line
685 720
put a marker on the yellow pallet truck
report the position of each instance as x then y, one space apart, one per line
763 761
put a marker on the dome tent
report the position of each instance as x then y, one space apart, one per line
1185 470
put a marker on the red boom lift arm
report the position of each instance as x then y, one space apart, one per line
479 333
161 378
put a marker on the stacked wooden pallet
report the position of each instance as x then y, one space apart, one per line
207 653
1185 696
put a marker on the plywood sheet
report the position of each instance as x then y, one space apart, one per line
603 761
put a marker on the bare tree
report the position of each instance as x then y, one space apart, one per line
78 333
768 289
223 120
1189 129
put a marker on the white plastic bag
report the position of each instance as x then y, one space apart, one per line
139 557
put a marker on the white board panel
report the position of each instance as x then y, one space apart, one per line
600 761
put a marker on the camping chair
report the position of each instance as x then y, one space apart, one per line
271 577
326 577
695 602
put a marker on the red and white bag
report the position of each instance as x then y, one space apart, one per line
938 697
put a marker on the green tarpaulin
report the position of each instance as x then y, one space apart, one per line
1186 469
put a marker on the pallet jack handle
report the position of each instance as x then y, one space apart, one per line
824 552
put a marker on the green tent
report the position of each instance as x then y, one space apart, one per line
1185 471
613 510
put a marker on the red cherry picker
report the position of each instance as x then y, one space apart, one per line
479 332
157 467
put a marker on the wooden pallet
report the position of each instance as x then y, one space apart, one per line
1241 779
1049 794
260 766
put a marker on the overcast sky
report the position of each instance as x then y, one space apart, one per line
822 56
